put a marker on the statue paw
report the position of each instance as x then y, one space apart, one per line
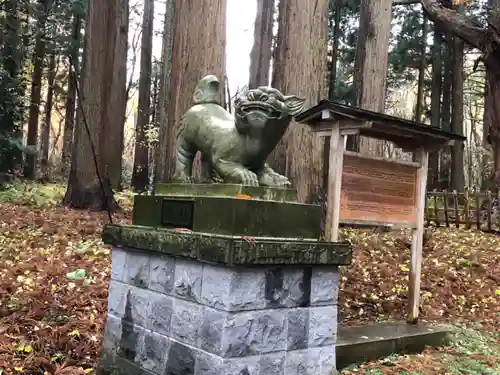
186 180
281 181
274 179
182 177
249 178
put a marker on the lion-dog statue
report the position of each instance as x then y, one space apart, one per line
234 147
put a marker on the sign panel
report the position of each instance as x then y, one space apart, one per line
177 213
378 191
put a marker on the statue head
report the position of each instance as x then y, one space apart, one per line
265 106
207 90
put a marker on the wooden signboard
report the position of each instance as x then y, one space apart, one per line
376 191
373 191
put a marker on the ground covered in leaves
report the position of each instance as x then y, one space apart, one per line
54 272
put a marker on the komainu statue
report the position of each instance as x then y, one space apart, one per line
235 147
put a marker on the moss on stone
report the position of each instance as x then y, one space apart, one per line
229 250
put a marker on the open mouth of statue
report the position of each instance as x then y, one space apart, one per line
265 108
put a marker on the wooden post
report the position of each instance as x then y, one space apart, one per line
336 159
422 157
457 212
436 208
478 208
446 218
467 208
490 204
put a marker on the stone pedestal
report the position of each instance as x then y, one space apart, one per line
220 308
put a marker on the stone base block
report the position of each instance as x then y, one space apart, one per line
176 316
250 217
142 351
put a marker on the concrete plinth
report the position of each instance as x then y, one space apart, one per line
374 341
173 315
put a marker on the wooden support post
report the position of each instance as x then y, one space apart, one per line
336 159
422 157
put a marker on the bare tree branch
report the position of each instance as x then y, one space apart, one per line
457 23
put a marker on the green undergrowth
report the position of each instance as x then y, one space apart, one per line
40 195
32 194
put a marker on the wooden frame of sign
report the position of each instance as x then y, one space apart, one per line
373 191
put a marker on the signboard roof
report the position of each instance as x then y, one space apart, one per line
404 133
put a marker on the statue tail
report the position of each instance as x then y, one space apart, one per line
184 155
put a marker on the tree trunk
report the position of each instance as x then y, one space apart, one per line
486 113
491 114
153 150
69 117
300 68
36 86
336 7
198 50
487 40
493 82
10 155
447 81
118 102
419 110
164 91
140 174
2 27
155 83
45 134
444 154
260 56
486 157
457 111
370 71
436 88
89 183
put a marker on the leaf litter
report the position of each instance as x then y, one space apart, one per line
54 272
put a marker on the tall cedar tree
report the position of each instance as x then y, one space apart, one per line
70 104
457 112
12 61
436 91
487 40
370 70
260 56
140 174
419 107
164 90
104 21
300 68
118 102
45 133
36 85
199 49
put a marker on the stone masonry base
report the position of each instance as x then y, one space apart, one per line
173 316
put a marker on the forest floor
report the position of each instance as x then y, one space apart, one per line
54 272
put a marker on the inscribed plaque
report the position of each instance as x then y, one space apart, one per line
177 213
378 191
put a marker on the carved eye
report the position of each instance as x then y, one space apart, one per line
264 97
